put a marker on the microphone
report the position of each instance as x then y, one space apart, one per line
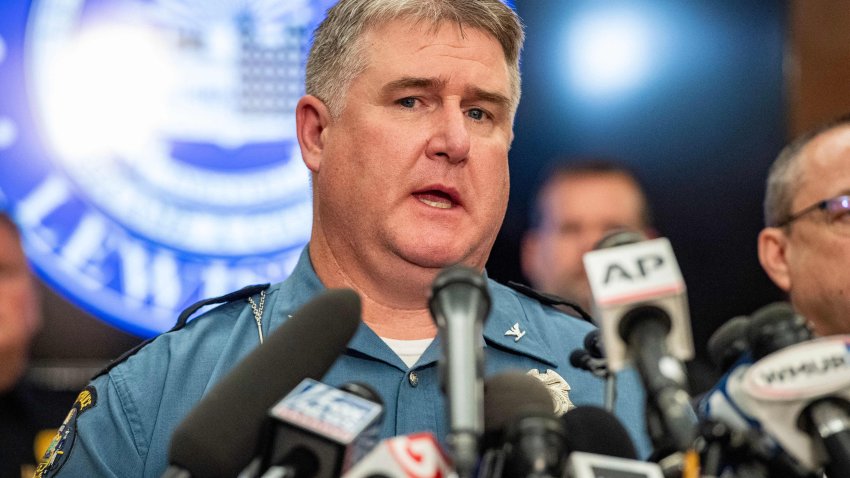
212 440
609 436
774 327
640 301
732 428
523 437
583 359
593 344
592 359
607 451
801 396
417 455
735 346
620 236
459 304
319 431
592 356
828 420
729 342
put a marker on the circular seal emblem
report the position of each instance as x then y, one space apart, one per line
148 150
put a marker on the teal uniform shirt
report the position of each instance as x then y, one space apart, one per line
121 425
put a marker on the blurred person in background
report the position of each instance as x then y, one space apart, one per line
29 415
578 202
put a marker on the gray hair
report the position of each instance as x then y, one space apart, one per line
337 55
783 178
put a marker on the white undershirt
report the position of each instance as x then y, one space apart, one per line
408 350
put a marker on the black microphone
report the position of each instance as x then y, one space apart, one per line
828 421
774 327
212 440
592 356
640 301
729 342
599 446
594 430
581 358
592 359
593 344
318 431
523 437
730 411
459 304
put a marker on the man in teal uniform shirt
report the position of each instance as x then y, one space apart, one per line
405 127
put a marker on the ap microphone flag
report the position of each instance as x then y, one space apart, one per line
644 272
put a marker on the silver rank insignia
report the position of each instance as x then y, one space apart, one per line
515 332
558 388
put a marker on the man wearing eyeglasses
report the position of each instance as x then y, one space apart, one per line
805 248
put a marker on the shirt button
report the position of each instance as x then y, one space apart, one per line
413 379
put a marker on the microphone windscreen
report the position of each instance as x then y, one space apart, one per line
511 395
459 291
619 237
729 342
774 327
580 358
219 436
593 344
595 430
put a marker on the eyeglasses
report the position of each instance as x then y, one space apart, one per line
837 211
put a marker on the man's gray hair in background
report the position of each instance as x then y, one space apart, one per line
783 178
338 55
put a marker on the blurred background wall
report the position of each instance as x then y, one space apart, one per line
698 97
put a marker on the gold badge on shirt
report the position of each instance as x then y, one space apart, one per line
558 388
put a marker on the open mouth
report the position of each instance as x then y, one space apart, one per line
436 198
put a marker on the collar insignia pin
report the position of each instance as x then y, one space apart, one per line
515 332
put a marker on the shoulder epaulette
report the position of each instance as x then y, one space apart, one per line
183 319
550 299
242 293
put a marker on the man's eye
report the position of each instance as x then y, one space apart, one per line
408 102
838 209
477 114
841 215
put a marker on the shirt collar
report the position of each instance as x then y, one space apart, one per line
508 319
506 314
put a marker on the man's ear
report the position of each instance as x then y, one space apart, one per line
773 251
311 119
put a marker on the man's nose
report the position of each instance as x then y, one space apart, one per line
450 139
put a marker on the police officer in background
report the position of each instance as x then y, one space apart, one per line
29 414
578 202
